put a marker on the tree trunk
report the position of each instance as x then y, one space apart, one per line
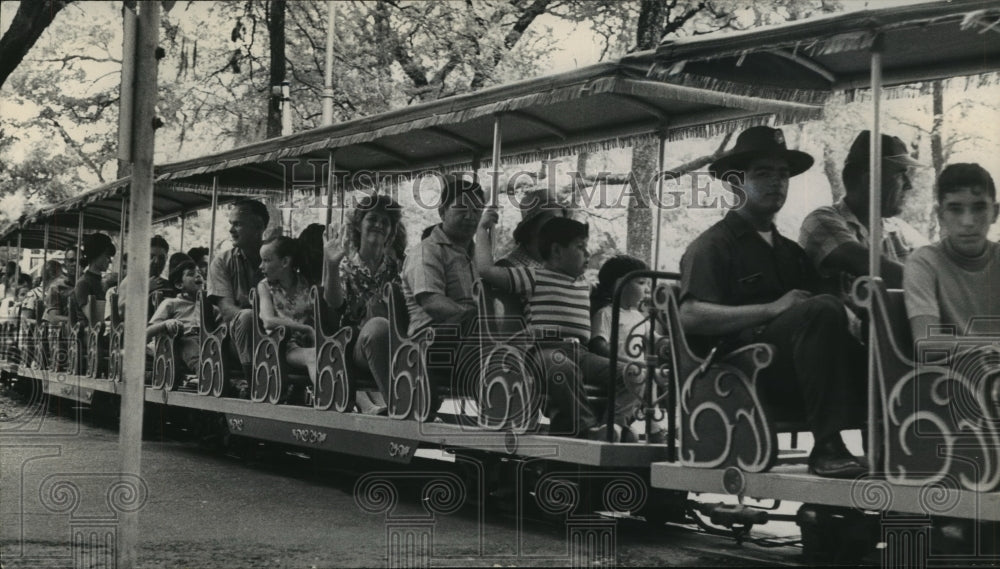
276 32
937 148
640 217
31 19
832 171
639 242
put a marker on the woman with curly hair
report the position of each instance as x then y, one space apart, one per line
353 287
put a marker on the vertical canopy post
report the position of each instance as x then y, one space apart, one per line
45 247
330 182
141 215
121 239
497 136
79 242
20 254
497 140
660 165
183 218
211 231
875 234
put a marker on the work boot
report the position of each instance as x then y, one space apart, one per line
831 459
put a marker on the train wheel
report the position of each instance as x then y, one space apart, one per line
664 506
841 536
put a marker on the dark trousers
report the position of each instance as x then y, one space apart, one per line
818 368
569 369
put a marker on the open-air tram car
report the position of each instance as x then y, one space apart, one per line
721 440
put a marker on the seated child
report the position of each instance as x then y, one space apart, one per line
284 301
180 313
952 281
558 299
633 325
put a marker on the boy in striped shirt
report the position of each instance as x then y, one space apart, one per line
557 301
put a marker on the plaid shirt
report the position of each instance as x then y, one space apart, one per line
519 257
829 227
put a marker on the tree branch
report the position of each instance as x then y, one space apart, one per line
31 19
49 115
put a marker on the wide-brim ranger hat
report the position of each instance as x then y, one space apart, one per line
894 152
537 207
760 142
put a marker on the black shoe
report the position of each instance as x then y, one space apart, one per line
831 459
628 435
600 434
236 388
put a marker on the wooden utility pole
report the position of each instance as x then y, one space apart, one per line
140 218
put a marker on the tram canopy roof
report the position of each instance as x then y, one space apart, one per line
599 106
34 237
807 60
102 209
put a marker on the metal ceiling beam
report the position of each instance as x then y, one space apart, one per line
458 139
526 117
653 110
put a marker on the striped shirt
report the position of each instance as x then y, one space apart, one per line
554 301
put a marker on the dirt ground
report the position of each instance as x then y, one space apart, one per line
60 499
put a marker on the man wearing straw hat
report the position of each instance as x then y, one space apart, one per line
836 237
742 282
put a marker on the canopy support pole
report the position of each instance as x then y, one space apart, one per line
875 233
182 232
497 140
17 284
121 238
79 243
497 136
20 253
141 215
660 165
211 231
45 250
330 179
343 204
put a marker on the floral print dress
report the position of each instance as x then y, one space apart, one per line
363 288
295 305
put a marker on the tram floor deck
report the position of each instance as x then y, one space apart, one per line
363 435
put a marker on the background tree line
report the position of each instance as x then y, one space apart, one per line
61 64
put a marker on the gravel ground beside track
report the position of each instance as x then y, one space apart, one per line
206 509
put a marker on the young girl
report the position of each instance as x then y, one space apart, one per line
633 324
284 301
632 327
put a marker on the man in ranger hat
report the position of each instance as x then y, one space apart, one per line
836 237
537 207
742 282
